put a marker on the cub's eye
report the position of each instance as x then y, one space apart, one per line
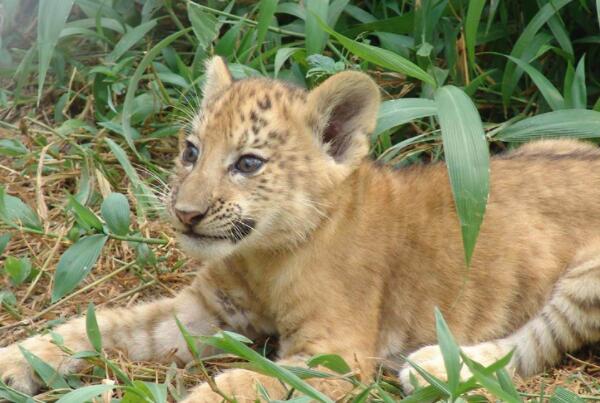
190 154
248 164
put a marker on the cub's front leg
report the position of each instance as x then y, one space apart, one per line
145 332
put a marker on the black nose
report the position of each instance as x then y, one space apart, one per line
190 218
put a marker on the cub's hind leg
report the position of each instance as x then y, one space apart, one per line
569 320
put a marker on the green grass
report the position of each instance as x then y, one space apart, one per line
95 92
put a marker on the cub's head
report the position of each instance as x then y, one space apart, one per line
261 156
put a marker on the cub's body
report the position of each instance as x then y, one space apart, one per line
302 238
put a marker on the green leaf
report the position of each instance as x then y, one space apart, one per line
141 190
18 269
130 96
92 329
381 57
400 111
280 58
115 211
51 378
266 12
15 213
230 342
548 90
576 123
562 395
534 25
205 25
85 217
314 27
52 16
467 157
488 381
85 393
4 239
75 264
189 339
438 384
578 88
471 25
450 351
506 382
330 361
129 40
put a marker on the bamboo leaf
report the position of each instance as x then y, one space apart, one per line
51 378
85 393
266 12
576 123
547 89
534 25
471 25
400 111
316 34
52 16
76 263
467 157
92 329
381 57
129 40
115 211
450 352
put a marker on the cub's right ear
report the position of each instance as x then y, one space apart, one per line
216 80
342 112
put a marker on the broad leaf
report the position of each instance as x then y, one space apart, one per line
75 264
468 160
52 16
576 123
115 211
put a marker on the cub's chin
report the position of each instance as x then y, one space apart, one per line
205 249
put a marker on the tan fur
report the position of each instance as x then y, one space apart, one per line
347 257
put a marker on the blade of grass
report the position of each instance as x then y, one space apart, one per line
471 26
467 157
399 111
266 12
381 57
128 104
550 93
534 25
229 342
450 352
316 35
576 123
129 40
52 16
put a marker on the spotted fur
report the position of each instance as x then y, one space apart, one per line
334 254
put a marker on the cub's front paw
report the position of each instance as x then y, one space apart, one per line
238 384
16 372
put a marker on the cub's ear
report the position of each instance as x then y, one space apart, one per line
342 112
217 78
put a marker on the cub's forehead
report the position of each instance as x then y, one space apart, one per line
248 108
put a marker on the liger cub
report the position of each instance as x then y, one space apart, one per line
301 236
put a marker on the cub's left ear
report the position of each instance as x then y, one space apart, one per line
217 79
342 112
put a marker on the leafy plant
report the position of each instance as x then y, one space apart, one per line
95 92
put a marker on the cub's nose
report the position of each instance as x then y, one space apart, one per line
189 218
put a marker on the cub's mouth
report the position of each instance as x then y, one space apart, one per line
239 230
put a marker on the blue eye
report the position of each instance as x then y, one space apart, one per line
248 164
